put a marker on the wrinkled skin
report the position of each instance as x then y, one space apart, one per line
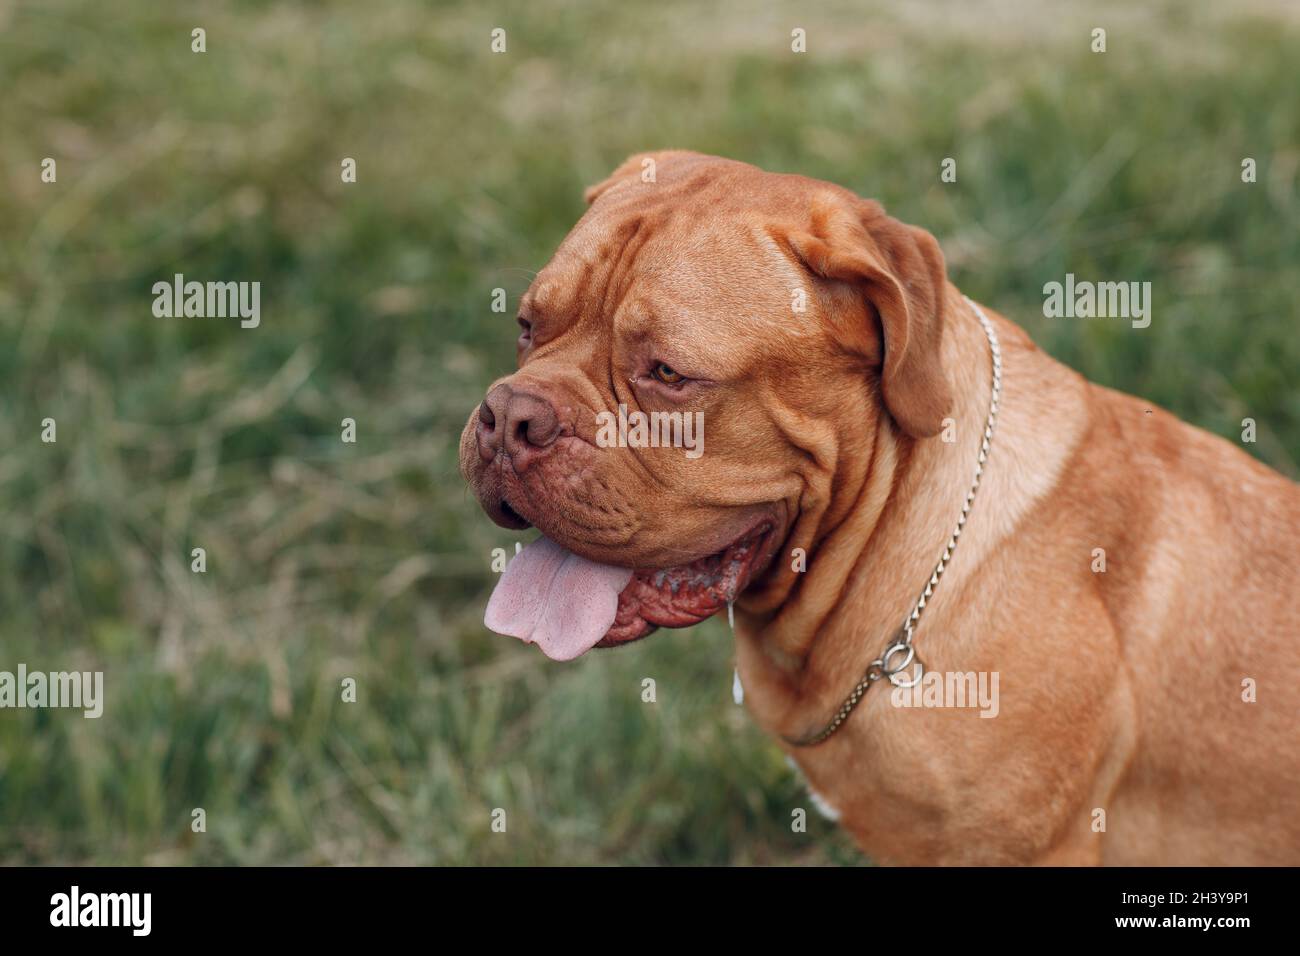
626 290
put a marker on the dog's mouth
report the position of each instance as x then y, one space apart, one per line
567 604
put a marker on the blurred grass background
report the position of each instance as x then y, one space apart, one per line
329 560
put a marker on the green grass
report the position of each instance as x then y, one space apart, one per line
329 560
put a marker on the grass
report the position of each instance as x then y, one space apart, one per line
329 560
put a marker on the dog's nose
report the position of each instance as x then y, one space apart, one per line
522 424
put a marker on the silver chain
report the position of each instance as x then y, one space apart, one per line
883 666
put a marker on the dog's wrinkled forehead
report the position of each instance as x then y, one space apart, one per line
675 267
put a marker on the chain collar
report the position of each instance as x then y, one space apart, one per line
886 665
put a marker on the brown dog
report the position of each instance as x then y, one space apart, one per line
1131 581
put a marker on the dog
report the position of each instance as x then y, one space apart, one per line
1130 580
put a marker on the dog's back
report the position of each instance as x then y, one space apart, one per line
1201 583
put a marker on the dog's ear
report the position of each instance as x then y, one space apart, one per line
643 167
900 272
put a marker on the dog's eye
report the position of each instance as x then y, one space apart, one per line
526 331
667 375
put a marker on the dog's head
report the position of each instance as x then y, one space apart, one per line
710 354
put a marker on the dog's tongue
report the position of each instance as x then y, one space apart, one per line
552 598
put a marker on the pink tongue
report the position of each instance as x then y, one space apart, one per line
552 598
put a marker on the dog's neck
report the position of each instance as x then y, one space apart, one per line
886 528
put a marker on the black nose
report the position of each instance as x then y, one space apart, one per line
522 424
